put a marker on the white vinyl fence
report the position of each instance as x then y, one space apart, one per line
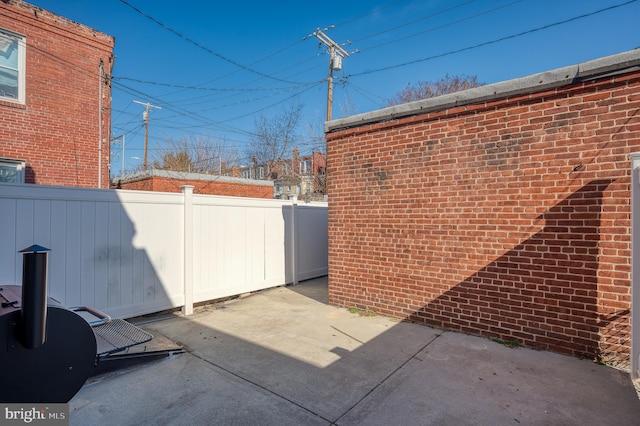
130 253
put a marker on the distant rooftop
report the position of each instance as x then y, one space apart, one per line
170 174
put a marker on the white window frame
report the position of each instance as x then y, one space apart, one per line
17 165
22 65
304 166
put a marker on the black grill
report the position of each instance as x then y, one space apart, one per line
48 351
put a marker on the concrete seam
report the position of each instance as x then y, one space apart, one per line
388 377
258 385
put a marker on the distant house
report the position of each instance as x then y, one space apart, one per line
172 181
55 98
300 175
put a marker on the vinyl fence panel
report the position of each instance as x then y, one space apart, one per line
130 253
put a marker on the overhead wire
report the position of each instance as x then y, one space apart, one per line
371 12
202 47
239 90
279 51
422 18
393 28
205 122
262 75
351 20
448 24
178 110
498 40
212 89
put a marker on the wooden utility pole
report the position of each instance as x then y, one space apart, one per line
145 116
336 54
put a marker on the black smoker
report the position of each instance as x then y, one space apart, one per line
47 351
33 314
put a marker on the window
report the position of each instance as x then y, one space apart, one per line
246 173
12 66
11 171
260 172
304 166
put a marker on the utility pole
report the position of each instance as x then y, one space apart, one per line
145 116
336 54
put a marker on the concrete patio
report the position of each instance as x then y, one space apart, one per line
285 357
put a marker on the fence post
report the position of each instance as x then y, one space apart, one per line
187 191
294 238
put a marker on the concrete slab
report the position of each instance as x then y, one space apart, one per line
465 380
322 358
284 356
184 390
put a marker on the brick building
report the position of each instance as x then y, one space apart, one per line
54 98
300 175
170 181
501 211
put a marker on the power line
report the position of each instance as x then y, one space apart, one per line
186 113
486 43
211 89
443 25
371 12
239 90
422 18
232 92
200 46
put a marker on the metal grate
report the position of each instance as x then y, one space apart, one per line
118 335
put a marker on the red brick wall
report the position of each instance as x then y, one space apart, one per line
508 219
163 184
56 131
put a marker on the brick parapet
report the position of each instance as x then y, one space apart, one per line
164 181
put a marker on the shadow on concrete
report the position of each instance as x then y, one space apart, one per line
282 357
315 289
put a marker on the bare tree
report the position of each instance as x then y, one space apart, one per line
274 137
347 107
430 89
179 161
314 137
200 154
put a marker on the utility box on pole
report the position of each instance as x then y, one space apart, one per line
336 54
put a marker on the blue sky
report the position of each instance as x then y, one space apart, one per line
215 67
